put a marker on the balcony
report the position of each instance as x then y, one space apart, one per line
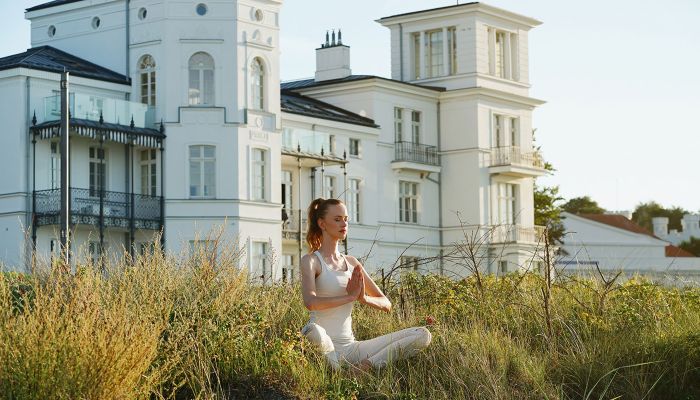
501 234
87 206
512 161
91 107
309 148
416 157
292 229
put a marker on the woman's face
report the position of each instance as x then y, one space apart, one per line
335 222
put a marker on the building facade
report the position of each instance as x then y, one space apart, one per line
180 124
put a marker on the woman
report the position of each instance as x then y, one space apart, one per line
331 283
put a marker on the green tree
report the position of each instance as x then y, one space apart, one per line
548 212
582 205
692 246
644 212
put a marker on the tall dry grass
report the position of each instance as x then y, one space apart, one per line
181 327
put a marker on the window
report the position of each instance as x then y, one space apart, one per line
429 57
398 124
287 192
287 268
201 79
503 267
505 204
259 267
97 171
503 54
415 127
201 9
149 178
96 22
329 189
147 73
354 200
259 15
408 202
498 130
258 168
51 31
202 171
433 53
96 251
257 84
505 131
513 132
410 263
354 147
55 165
142 13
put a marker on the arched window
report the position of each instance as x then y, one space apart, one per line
201 90
147 72
257 84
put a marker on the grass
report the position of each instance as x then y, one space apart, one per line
165 327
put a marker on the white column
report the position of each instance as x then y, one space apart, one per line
515 58
507 58
423 74
492 51
445 55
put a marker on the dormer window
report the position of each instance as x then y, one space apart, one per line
434 53
503 54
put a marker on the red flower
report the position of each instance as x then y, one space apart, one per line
429 320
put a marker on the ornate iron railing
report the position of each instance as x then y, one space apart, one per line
513 155
415 152
87 206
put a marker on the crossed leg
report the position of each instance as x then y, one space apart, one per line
387 348
317 335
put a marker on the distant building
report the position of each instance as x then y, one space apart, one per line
690 225
614 242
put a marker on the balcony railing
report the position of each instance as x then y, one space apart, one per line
516 233
87 205
90 107
513 155
291 223
307 141
415 152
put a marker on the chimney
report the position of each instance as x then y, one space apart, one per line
332 58
660 226
691 224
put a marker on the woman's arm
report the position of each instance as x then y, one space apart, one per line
371 295
309 270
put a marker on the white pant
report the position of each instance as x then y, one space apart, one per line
378 351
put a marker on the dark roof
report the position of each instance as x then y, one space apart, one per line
430 9
296 103
51 4
617 221
309 83
51 59
673 251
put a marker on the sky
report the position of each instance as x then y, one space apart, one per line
621 80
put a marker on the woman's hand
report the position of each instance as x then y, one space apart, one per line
356 284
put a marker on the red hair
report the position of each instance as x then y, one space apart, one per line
317 210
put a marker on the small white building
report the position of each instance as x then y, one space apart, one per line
441 148
690 228
613 243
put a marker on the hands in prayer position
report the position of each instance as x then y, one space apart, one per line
356 284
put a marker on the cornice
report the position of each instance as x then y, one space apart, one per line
492 93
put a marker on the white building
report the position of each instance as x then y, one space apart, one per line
442 148
690 225
613 243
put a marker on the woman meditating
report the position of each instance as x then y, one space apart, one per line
331 283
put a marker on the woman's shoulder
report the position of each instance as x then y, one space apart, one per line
309 259
352 260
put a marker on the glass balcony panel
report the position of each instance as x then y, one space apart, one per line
90 107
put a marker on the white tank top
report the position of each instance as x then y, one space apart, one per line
337 321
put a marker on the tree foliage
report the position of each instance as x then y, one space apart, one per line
583 205
548 212
644 212
692 246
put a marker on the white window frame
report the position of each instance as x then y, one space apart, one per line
55 167
410 263
412 207
259 265
356 150
202 66
398 124
505 203
257 84
203 161
149 168
259 172
147 80
434 53
416 117
330 186
354 202
503 53
288 268
100 165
